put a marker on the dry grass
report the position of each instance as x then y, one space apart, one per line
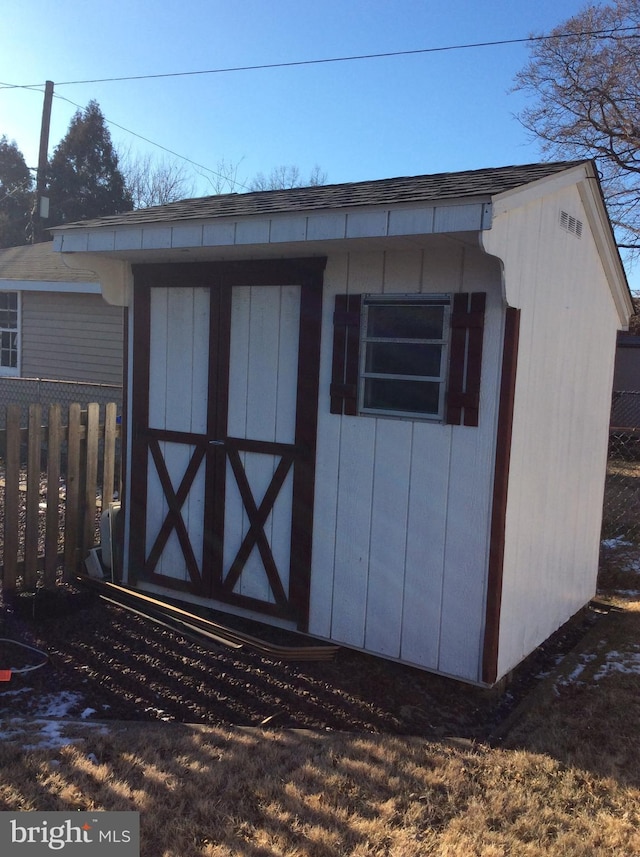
205 791
565 781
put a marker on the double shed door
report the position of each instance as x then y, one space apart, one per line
225 392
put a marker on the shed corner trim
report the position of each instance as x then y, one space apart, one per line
500 489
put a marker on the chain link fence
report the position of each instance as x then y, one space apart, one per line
621 513
29 391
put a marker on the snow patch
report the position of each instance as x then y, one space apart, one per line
41 734
614 662
615 543
619 662
574 675
57 704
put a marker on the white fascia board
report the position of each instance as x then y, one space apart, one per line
600 225
49 286
519 196
376 221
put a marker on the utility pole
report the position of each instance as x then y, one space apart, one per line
41 209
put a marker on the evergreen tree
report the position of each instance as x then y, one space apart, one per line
16 199
84 178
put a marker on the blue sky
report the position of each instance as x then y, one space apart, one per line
407 115
440 111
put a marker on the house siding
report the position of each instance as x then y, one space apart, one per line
70 337
627 366
401 519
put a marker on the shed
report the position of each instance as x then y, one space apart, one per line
373 412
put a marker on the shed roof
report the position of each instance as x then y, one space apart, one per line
476 184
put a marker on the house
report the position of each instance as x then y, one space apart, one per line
625 408
60 341
374 412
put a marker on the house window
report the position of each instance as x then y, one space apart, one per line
8 333
403 355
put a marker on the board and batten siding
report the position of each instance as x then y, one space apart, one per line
401 517
179 356
262 406
71 337
568 325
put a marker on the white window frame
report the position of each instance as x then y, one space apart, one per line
417 299
13 371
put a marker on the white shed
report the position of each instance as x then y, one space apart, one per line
373 412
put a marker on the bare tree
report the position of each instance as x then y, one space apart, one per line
155 182
285 177
224 179
585 78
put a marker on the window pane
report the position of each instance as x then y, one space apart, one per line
405 321
9 350
399 358
420 397
9 309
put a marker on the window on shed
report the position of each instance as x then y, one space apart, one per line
408 356
8 333
404 342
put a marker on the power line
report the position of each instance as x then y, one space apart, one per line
135 134
352 58
607 33
22 186
159 146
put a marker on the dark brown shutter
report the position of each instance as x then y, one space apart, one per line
465 358
346 350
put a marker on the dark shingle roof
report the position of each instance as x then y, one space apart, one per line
441 186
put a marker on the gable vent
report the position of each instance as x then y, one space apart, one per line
571 224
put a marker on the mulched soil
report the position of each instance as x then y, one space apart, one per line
124 667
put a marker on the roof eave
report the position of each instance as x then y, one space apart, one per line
308 227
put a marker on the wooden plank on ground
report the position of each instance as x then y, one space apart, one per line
34 453
11 501
54 444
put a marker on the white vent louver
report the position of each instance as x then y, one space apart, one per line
571 224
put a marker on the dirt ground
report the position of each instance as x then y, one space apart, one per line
114 665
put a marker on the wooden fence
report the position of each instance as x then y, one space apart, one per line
56 478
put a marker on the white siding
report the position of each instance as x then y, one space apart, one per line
401 518
71 337
559 448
